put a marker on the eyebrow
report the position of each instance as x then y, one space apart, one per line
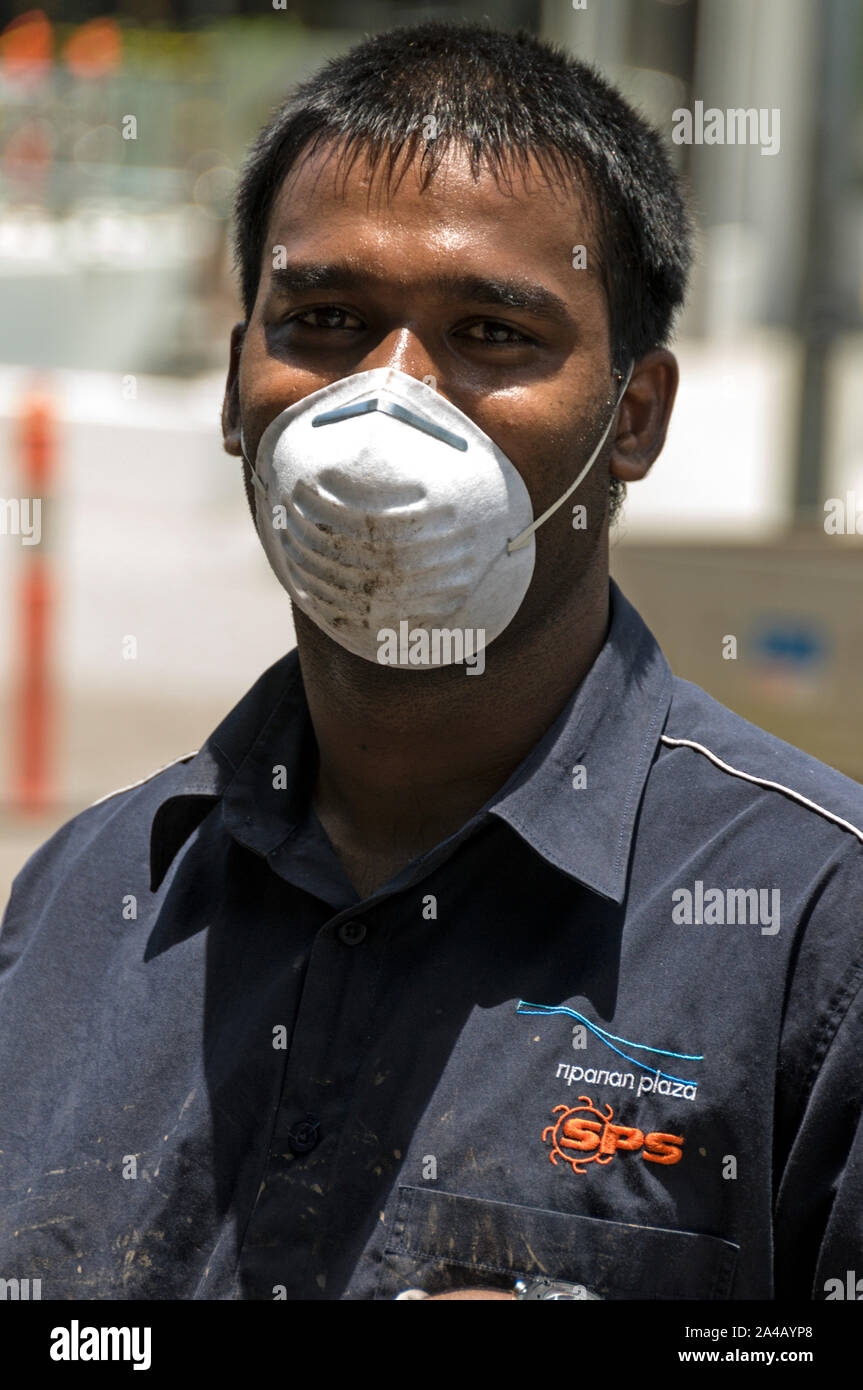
508 293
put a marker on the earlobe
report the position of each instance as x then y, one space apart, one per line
628 463
231 403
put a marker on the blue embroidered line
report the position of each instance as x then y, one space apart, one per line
525 1008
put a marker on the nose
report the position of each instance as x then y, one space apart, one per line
404 350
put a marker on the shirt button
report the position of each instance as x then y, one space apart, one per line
352 933
304 1136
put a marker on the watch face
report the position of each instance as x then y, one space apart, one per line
548 1290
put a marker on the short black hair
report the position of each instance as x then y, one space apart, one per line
503 98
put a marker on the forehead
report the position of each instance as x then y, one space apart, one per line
530 221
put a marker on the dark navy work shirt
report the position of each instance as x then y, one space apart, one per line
609 1031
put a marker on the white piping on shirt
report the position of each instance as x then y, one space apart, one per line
763 782
142 780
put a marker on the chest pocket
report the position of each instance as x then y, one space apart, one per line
441 1241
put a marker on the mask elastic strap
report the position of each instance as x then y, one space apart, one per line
524 536
255 479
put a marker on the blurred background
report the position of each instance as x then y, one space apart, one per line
138 607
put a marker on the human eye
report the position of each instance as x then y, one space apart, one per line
325 316
494 333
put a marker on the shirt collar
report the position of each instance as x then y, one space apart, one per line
275 704
259 760
575 798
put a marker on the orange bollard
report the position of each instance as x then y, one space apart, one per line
33 787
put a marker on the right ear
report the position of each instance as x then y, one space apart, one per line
231 403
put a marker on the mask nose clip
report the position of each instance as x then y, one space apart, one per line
398 412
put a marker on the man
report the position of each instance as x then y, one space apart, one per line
460 961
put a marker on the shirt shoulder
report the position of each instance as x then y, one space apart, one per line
751 808
710 744
104 836
108 830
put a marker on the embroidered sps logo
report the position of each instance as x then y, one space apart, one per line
579 1139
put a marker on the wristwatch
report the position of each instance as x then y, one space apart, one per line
552 1289
524 1289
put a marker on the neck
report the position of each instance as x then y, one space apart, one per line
407 757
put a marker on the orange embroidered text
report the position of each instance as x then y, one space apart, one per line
582 1134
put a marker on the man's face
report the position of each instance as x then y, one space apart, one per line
464 281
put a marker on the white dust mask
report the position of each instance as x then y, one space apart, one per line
394 522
